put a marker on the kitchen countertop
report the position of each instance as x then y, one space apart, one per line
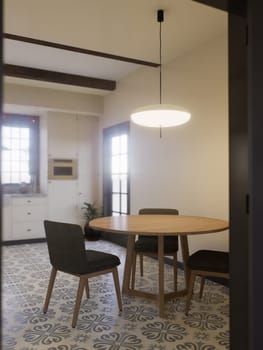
21 195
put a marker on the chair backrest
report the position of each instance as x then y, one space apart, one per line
66 246
158 211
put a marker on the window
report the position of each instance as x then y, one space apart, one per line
20 153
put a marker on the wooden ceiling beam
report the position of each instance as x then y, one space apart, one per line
58 77
78 50
219 4
235 7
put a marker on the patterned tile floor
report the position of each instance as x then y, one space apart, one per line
25 277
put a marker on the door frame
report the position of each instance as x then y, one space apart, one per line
245 28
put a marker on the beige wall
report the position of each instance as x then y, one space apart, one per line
27 97
188 167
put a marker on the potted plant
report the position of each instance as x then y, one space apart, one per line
91 211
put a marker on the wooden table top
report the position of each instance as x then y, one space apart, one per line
159 224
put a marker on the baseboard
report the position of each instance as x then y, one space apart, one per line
24 241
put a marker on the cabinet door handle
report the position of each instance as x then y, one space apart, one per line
29 229
28 213
29 201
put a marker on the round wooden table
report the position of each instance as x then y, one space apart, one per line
161 226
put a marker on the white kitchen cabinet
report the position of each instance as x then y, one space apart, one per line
73 137
28 214
6 218
62 135
62 200
87 184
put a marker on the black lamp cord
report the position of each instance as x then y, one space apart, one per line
160 18
160 61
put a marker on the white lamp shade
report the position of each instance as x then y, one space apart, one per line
161 115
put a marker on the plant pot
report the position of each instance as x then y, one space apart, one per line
90 234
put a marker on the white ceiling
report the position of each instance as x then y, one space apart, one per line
121 27
43 57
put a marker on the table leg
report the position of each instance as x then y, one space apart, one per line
185 255
161 275
128 264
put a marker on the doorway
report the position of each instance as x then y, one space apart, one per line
116 177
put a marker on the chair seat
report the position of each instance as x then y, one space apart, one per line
100 261
150 244
94 261
209 260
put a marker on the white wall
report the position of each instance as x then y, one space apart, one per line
188 167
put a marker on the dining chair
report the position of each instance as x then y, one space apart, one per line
66 247
148 245
205 263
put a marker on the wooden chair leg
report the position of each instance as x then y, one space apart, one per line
87 288
202 284
141 263
134 258
175 271
117 287
82 283
190 291
50 288
161 275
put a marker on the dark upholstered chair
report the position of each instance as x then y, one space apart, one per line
206 263
148 245
67 253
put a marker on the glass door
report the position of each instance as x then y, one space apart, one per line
119 174
116 189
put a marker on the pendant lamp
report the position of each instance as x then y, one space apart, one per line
160 115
